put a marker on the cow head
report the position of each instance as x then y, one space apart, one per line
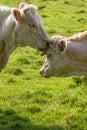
28 26
54 56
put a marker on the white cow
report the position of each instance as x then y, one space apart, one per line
18 28
66 56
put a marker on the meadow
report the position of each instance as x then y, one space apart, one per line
31 102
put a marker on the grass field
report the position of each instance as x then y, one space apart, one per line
31 102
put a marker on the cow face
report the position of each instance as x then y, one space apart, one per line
28 28
54 63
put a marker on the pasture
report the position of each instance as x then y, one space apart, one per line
31 102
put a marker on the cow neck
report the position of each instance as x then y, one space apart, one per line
77 50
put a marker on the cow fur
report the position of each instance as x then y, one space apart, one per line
19 27
73 60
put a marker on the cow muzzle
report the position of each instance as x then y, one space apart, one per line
48 43
44 71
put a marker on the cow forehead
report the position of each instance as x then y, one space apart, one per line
31 7
31 13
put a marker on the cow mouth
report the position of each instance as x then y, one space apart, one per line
42 73
42 50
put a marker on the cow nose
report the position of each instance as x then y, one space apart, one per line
41 72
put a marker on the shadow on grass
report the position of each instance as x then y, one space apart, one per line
10 120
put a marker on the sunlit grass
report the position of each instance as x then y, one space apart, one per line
31 102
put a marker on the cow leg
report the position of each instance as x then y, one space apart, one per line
3 55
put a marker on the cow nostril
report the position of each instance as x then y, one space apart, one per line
40 72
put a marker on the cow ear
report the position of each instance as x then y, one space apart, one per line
16 14
62 45
22 5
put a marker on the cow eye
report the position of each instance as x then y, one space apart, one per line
48 55
33 26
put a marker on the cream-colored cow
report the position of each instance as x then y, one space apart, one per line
66 56
18 28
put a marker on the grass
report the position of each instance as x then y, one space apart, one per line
31 102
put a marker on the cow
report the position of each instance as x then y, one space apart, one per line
66 56
20 27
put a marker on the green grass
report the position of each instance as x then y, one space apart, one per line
31 102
